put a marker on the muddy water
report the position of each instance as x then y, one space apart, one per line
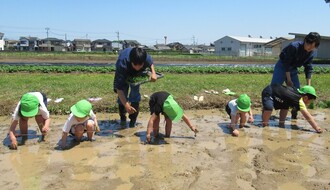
293 157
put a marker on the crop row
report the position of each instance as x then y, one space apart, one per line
166 69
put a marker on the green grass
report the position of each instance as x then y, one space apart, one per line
75 86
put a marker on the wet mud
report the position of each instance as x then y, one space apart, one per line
291 157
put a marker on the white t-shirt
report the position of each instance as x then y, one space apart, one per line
73 121
43 111
233 107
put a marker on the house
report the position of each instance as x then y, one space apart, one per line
277 45
161 47
324 48
28 44
68 45
207 49
102 45
130 43
193 49
117 46
2 42
82 45
51 44
241 46
176 46
11 45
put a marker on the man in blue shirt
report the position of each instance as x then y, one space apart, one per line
131 63
293 56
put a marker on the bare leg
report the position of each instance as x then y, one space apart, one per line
243 119
168 127
40 122
90 130
23 127
283 114
156 127
79 131
265 117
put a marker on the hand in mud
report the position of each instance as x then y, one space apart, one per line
45 129
250 120
13 145
97 128
148 139
235 133
318 130
195 131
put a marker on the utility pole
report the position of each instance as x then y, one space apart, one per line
117 39
47 31
193 39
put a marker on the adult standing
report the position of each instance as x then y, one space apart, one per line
293 56
131 63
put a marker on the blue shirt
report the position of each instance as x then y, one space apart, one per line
294 55
124 68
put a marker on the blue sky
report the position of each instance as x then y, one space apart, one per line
148 21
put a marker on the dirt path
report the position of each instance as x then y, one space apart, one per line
289 158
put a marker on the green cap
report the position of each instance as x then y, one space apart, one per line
172 109
243 103
307 90
81 109
29 105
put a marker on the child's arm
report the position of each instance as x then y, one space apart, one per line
234 120
150 126
46 128
97 128
233 123
187 121
251 119
64 137
153 76
12 137
311 120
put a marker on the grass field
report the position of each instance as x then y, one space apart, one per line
75 86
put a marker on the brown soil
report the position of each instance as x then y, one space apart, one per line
294 157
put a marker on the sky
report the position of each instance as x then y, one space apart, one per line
149 21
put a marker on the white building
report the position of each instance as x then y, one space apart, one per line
2 42
241 46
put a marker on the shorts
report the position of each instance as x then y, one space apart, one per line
44 97
228 110
73 127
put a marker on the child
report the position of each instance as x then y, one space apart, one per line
163 103
82 119
281 97
32 104
239 108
